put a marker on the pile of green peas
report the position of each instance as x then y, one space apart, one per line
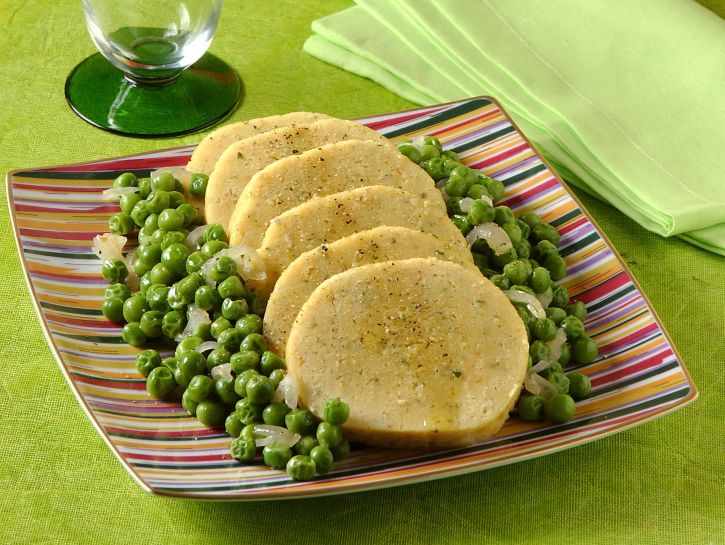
172 277
532 265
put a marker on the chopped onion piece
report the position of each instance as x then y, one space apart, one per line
532 303
132 280
418 142
545 298
487 199
287 392
250 264
465 204
194 238
207 345
277 435
113 193
555 345
223 371
538 385
109 246
495 237
144 239
180 173
195 318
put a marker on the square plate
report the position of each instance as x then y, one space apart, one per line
57 211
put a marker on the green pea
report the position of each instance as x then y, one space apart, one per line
277 375
170 363
300 421
276 456
341 451
211 413
150 323
218 356
577 309
224 389
114 271
301 468
207 298
544 329
306 444
243 449
194 262
538 351
480 212
462 222
480 261
540 280
495 188
240 382
434 167
162 181
517 271
251 323
212 247
248 412
553 368
160 383
147 361
322 456
144 187
215 231
410 151
565 354
140 212
559 408
254 342
134 307
500 260
477 191
112 309
176 199
233 309
531 408
544 231
192 363
556 267
174 258
257 303
198 184
200 387
161 274
219 325
171 219
523 249
259 389
149 253
274 413
230 339
428 152
556 315
504 215
531 219
118 290
187 345
132 334
573 327
560 380
222 269
336 412
172 237
232 288
561 297
580 385
433 141
329 434
246 359
140 267
514 233
173 323
456 186
525 229
269 362
189 404
584 350
232 425
500 281
449 154
188 212
157 201
127 179
127 202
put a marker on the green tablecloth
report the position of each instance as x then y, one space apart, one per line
660 483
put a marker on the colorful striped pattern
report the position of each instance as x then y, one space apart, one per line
57 211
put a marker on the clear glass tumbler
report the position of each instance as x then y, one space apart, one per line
152 76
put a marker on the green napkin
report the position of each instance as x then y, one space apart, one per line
632 113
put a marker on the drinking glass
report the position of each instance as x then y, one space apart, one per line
153 76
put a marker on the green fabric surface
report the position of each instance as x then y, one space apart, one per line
654 153
660 483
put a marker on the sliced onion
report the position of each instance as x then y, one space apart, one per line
268 435
207 345
132 280
418 142
287 392
545 298
144 239
194 238
538 385
532 303
495 237
180 173
487 199
465 204
195 318
223 371
113 193
554 352
109 246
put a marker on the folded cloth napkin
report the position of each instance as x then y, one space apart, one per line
626 99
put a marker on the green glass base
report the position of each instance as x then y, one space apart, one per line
203 94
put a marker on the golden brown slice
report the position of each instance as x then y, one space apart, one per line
322 171
245 158
213 145
330 218
312 268
427 353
